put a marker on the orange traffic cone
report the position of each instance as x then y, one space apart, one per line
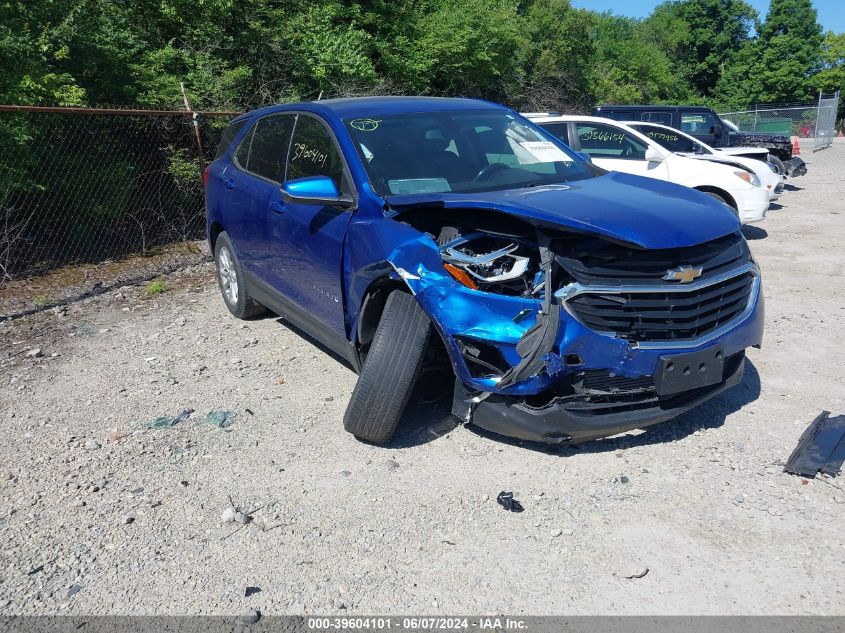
796 149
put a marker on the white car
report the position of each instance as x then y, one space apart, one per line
614 146
682 143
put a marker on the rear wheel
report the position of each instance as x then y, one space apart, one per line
778 163
230 278
391 370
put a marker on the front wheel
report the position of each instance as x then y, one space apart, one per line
722 199
230 278
391 370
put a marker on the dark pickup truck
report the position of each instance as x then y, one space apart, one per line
705 125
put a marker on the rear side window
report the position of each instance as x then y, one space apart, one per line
657 117
264 148
605 141
558 129
228 136
313 152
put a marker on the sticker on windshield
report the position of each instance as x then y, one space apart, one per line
364 125
545 152
402 186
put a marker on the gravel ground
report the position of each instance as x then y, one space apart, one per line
100 514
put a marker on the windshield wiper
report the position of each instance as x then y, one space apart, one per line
538 183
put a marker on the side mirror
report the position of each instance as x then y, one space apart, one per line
653 155
584 156
315 190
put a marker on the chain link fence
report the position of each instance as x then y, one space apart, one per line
826 121
92 199
809 120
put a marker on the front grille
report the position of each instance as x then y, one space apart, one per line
597 262
664 316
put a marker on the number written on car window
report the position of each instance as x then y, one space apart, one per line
313 152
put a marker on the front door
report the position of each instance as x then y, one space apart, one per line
616 149
308 238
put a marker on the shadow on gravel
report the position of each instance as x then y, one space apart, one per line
308 339
774 206
789 187
710 415
754 232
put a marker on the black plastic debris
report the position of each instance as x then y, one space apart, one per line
506 500
820 449
251 591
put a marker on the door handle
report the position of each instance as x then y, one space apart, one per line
229 183
277 206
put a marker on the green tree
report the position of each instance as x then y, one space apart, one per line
790 47
831 77
629 67
555 57
701 37
457 47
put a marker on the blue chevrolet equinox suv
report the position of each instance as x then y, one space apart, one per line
572 303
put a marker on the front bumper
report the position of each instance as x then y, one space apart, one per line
752 204
481 332
563 421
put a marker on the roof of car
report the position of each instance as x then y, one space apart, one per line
382 106
549 118
613 106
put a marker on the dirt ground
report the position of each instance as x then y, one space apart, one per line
101 514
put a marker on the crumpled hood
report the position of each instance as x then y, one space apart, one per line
641 211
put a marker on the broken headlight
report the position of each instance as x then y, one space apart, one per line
489 262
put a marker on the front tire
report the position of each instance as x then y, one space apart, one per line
391 370
723 200
230 279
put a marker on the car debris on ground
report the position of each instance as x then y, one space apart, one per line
821 448
506 500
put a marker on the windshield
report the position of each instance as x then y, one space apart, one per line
671 140
462 151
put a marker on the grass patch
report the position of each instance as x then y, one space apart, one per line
41 300
156 287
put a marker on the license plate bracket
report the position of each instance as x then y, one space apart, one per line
684 372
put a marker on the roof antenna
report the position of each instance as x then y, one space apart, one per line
320 96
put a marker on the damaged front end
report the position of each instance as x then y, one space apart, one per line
558 335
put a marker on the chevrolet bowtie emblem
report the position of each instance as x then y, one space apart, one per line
684 274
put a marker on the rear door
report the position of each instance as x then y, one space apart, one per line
259 160
616 149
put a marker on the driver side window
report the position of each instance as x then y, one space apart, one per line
697 122
313 153
604 141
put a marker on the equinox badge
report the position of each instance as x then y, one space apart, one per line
684 274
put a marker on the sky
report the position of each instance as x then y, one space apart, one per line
831 12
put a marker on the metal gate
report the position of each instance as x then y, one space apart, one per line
826 121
